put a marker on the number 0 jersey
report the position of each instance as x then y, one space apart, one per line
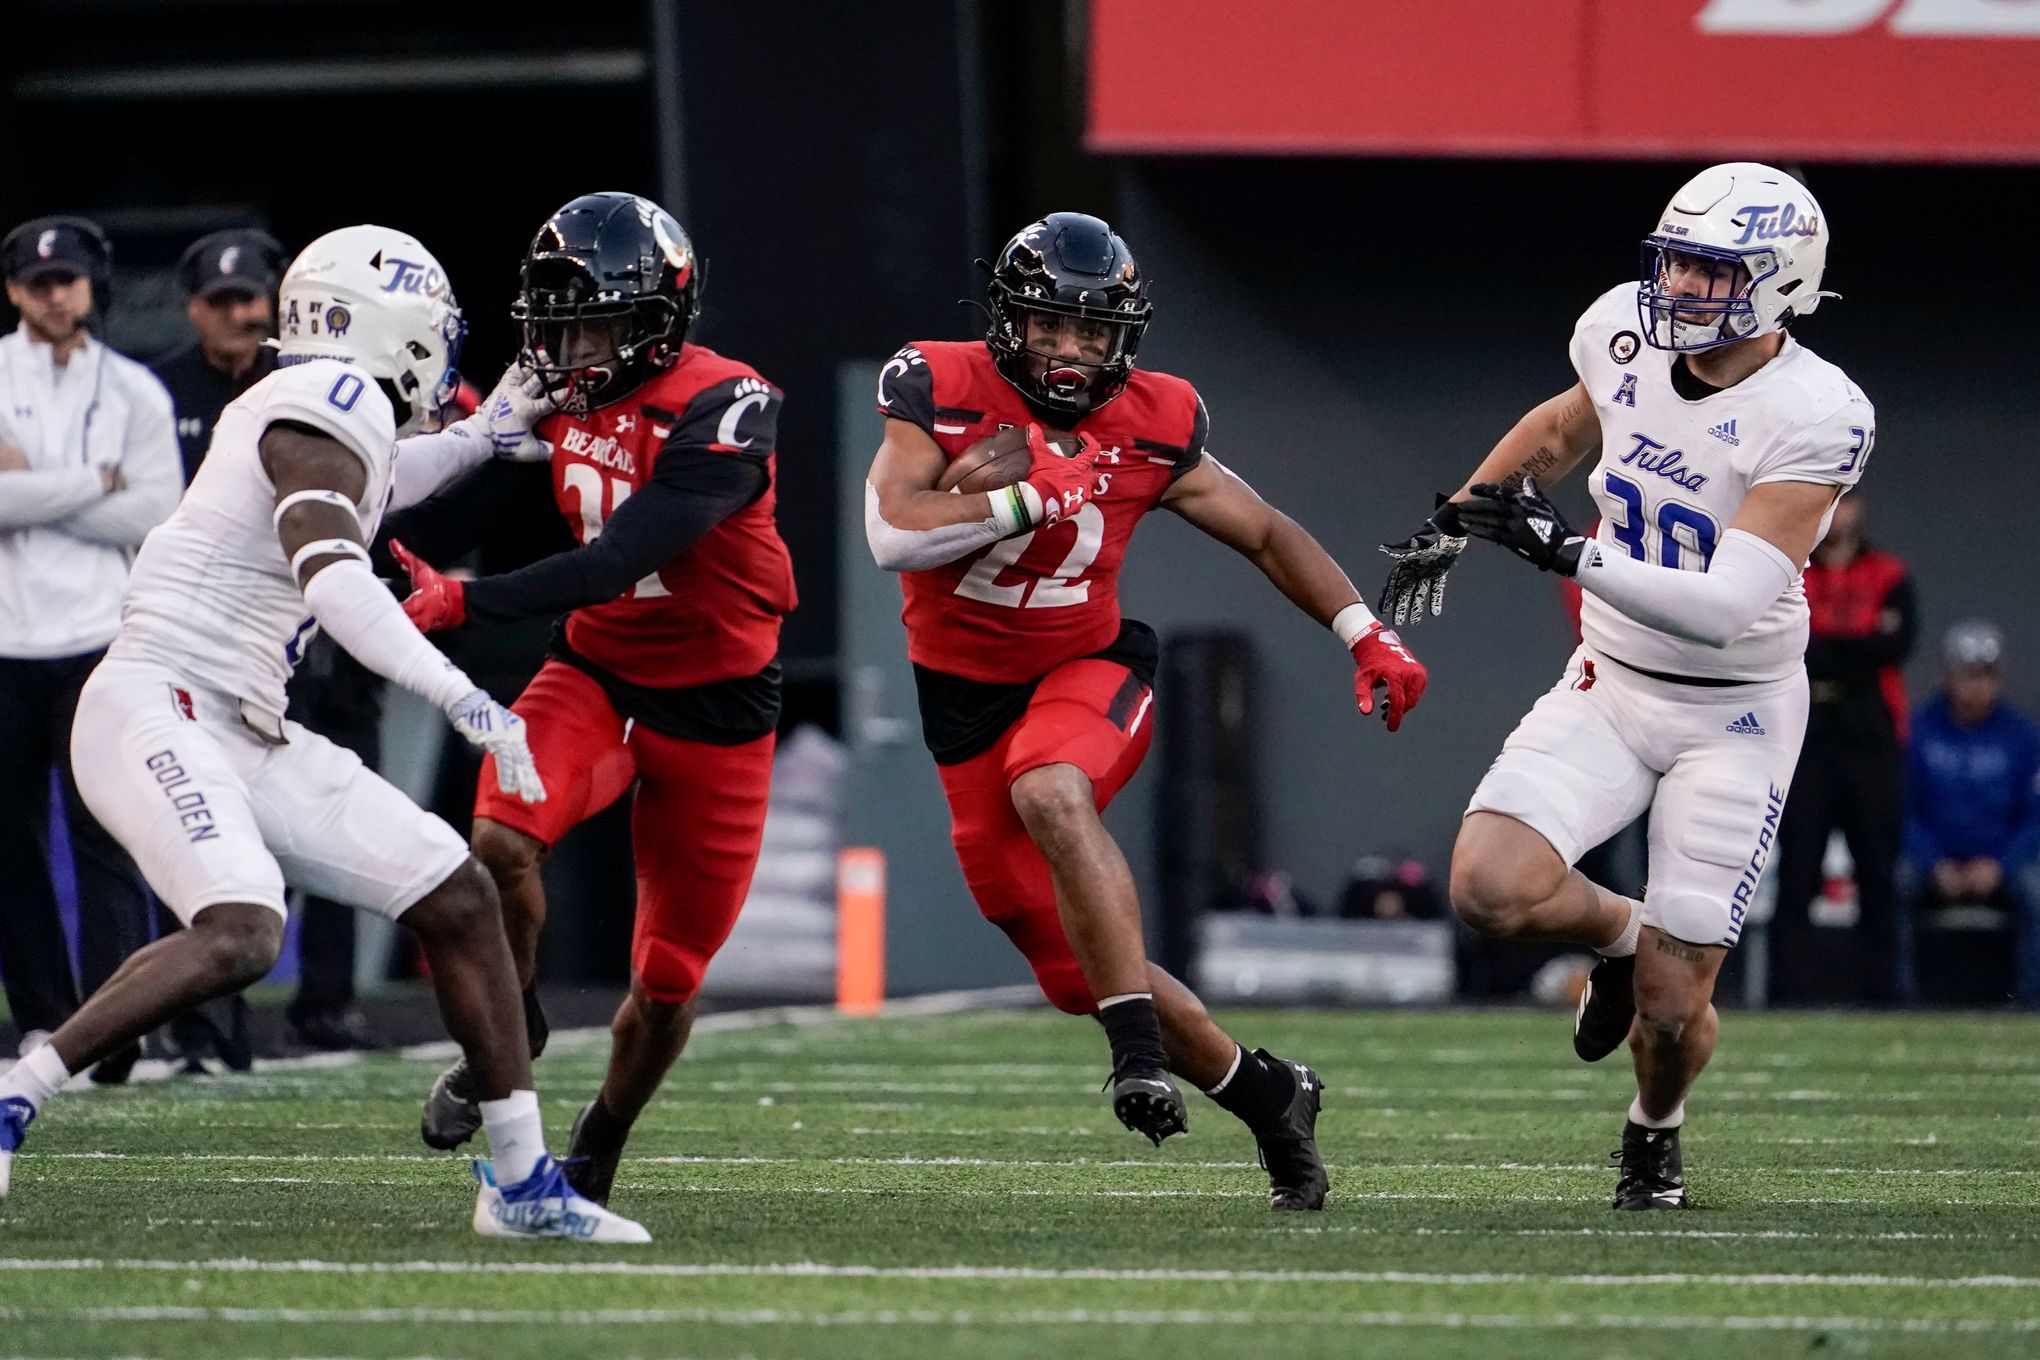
1016 610
212 595
711 613
1673 474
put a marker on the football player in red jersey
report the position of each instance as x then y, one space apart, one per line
665 673
1035 693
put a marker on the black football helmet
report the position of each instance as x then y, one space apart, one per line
609 262
1068 264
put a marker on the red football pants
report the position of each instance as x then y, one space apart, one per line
1088 713
695 824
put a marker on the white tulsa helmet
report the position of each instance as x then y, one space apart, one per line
1754 242
375 298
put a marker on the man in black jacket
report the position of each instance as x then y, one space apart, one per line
1851 773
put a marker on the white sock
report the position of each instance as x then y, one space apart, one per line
35 1078
1670 1121
1623 945
516 1138
1238 1055
1125 996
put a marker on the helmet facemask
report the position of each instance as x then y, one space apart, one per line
1047 374
1723 311
590 348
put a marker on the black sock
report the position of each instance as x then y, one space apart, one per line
1260 1090
1134 1028
535 1027
602 1129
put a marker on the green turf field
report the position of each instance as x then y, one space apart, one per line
956 1186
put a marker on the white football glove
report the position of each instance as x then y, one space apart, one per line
498 731
508 415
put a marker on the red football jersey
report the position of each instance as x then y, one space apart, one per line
1024 605
712 613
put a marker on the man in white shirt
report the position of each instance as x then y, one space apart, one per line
88 465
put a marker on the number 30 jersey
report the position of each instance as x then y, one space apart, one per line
212 596
1016 610
1674 472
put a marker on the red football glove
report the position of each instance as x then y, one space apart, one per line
435 601
1383 660
1063 483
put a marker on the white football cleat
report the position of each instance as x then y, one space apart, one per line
545 1205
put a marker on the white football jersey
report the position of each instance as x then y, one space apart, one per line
1673 474
212 595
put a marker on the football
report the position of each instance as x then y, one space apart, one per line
997 460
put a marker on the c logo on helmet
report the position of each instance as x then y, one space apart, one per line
672 245
46 244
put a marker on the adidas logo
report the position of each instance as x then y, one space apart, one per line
1747 726
1725 432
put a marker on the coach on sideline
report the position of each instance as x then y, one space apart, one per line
229 280
88 465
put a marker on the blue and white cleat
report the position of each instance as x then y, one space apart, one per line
544 1205
16 1115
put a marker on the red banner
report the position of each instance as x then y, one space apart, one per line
1921 80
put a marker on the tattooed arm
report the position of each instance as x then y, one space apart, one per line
1546 444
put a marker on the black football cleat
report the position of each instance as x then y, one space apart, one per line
1296 1173
113 1069
1147 1102
1653 1175
1607 1008
590 1166
452 1110
332 1029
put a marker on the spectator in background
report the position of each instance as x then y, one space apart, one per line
229 281
88 465
1972 825
1851 773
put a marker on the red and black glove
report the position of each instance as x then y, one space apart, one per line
1063 481
436 602
1384 661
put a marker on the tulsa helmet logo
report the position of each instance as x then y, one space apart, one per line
1769 221
412 277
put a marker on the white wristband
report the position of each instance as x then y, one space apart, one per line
1349 623
1016 507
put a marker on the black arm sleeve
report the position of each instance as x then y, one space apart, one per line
691 491
505 510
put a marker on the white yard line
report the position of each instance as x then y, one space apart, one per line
822 1270
1020 997
1159 1163
1071 1317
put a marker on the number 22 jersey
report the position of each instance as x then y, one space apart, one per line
1674 472
1013 611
